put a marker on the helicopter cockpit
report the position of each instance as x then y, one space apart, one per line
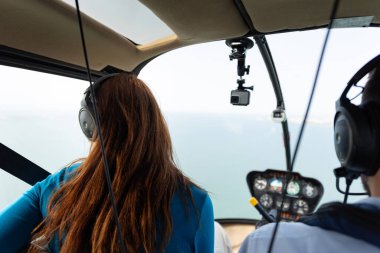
233 79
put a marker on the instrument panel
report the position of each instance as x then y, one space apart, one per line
301 197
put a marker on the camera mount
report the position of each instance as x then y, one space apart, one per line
240 85
239 46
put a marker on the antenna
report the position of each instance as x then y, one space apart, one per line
97 121
278 219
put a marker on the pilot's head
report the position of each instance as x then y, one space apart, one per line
371 93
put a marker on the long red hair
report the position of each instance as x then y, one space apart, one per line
144 179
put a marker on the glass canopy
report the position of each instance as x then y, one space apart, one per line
129 18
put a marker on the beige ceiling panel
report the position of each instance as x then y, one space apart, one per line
50 28
200 20
276 15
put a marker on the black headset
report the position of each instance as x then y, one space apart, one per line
86 113
357 129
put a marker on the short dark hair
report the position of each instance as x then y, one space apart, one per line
372 88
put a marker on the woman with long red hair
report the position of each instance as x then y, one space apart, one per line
160 209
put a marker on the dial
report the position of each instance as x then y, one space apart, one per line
275 185
260 183
300 207
285 206
293 188
310 191
266 200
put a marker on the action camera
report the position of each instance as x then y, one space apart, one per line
240 97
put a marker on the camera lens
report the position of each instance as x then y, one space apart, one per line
234 99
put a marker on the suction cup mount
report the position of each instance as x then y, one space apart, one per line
239 46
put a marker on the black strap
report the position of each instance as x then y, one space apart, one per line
360 221
20 167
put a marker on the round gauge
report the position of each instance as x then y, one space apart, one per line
275 185
266 200
310 191
300 207
260 183
285 206
293 188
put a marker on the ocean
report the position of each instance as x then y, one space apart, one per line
215 150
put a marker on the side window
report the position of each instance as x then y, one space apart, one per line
38 120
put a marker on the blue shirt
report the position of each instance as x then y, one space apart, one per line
192 231
298 237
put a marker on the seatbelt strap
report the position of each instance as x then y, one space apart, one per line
20 167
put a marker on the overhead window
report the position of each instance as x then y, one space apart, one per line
130 18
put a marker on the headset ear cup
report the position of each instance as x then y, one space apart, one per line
86 122
354 141
86 115
343 136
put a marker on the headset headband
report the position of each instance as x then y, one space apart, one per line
98 83
360 74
